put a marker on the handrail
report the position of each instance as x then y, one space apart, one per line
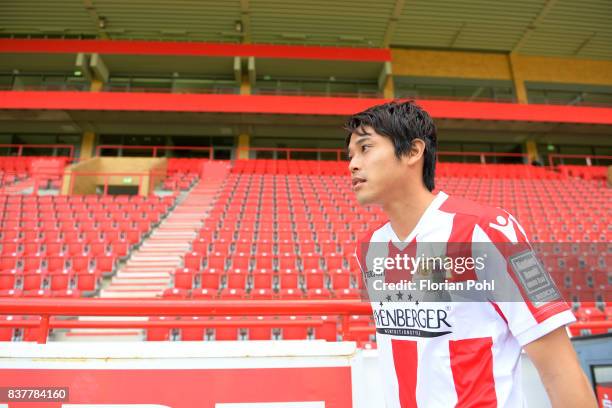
587 157
155 149
341 152
45 308
22 146
288 150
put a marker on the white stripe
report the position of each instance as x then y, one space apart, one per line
303 404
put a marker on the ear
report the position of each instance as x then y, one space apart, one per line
417 150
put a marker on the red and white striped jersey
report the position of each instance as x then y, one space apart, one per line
449 353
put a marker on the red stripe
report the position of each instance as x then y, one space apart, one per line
499 311
405 359
294 105
134 47
472 366
363 245
393 275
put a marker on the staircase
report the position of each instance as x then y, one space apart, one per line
148 271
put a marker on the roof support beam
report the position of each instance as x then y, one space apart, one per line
585 43
456 36
99 23
246 21
534 25
397 12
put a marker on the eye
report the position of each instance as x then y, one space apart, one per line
365 147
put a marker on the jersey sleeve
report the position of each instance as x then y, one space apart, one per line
525 295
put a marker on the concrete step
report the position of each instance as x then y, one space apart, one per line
174 235
157 287
114 294
153 259
97 335
124 280
164 243
143 275
150 267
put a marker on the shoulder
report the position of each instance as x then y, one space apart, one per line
476 213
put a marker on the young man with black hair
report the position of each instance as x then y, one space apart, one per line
448 353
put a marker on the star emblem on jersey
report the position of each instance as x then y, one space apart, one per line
409 296
399 295
389 298
417 303
381 304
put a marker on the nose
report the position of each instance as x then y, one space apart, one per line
353 165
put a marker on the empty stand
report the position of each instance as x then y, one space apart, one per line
277 229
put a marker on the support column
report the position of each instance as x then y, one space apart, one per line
532 150
245 85
385 81
248 77
96 85
389 90
244 142
517 78
87 145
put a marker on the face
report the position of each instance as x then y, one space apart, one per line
376 172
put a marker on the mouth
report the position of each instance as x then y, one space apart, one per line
357 182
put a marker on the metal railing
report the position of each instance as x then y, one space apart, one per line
22 147
155 149
588 158
46 308
339 153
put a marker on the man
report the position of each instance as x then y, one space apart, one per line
447 353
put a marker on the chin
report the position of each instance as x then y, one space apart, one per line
364 200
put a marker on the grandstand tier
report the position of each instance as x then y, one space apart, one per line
272 229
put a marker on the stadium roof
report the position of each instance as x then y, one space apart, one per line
565 28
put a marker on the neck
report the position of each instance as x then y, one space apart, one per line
405 213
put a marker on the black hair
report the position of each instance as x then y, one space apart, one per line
402 122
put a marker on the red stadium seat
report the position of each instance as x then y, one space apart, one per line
192 333
258 332
262 278
233 293
237 278
184 278
87 280
60 280
295 332
8 279
225 332
193 261
202 293
209 279
161 333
